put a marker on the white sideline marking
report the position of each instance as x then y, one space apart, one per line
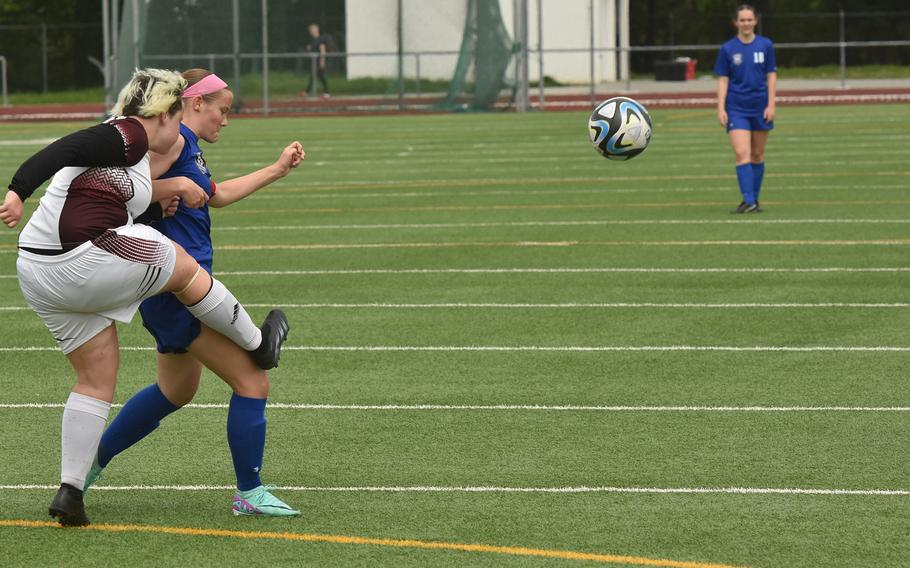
567 224
28 142
618 348
493 489
568 243
545 348
605 305
596 270
587 305
509 407
608 270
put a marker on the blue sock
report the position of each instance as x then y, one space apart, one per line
246 437
746 182
137 419
758 173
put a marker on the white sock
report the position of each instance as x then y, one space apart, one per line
83 424
221 311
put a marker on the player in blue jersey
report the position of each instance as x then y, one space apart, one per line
185 344
746 72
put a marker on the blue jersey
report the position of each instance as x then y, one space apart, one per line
747 65
168 320
191 228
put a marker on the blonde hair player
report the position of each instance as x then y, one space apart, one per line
184 343
83 263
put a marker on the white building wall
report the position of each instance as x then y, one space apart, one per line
438 25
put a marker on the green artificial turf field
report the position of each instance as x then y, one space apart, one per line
501 339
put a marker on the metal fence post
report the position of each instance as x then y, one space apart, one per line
3 78
235 55
540 72
591 54
417 72
843 51
44 57
106 41
400 35
265 57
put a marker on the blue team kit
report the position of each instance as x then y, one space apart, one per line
168 320
747 65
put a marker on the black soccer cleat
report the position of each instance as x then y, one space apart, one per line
746 208
274 332
67 507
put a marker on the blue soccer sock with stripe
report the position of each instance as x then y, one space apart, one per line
758 174
137 419
246 437
746 182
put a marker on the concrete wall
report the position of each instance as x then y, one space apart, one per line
438 25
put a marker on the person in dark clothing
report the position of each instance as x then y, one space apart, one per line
319 43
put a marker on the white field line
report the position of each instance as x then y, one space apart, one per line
604 222
609 270
596 270
554 244
28 142
568 243
569 224
297 194
557 306
507 407
546 348
570 305
494 489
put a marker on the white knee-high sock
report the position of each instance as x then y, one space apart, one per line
221 311
83 423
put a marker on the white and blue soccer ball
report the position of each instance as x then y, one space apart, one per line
620 128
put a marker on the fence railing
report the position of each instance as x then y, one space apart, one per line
413 60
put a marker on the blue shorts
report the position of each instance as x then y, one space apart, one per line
172 325
738 121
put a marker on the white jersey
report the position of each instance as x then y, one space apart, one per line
118 194
101 181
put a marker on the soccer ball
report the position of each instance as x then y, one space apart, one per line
620 128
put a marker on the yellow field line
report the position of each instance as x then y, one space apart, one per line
394 543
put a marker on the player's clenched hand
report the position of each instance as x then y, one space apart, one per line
11 209
169 206
193 196
291 157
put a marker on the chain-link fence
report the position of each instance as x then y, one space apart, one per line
409 54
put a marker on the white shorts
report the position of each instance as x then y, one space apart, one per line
81 292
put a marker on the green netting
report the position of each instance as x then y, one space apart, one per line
487 49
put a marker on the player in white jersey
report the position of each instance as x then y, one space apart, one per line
83 264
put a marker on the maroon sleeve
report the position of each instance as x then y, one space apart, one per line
118 143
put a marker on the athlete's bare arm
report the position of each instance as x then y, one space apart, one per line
236 189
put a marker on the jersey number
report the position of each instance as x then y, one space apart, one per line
759 56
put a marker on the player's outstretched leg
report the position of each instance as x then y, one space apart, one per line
214 305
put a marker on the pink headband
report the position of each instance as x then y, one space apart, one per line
207 85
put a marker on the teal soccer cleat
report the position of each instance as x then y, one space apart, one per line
259 502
